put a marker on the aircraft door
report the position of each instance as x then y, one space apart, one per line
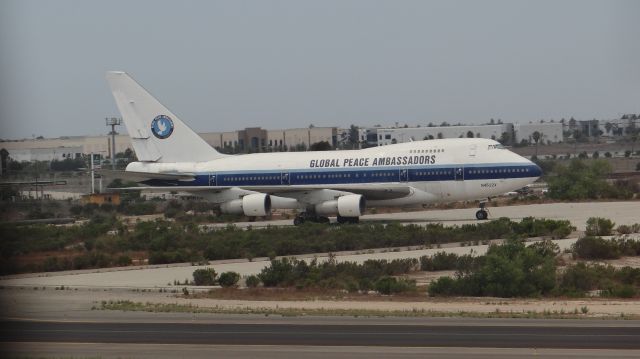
212 179
403 174
284 178
458 173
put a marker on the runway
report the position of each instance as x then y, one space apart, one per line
487 336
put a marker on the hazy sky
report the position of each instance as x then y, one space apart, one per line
225 65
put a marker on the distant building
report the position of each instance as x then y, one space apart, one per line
102 198
80 144
256 139
590 128
620 126
550 132
45 154
388 136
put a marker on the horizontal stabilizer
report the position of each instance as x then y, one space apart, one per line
144 176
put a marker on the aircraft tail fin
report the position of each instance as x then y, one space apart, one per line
156 133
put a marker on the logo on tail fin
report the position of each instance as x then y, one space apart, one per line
162 126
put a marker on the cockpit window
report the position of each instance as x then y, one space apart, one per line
497 146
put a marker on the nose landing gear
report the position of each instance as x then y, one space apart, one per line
482 213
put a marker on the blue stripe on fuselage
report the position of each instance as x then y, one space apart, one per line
328 176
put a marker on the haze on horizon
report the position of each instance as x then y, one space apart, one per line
226 65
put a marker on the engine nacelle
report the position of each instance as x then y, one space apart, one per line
352 205
232 207
257 204
251 205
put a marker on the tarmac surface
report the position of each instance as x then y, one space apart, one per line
200 351
488 336
577 213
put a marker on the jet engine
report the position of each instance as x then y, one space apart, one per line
252 205
352 205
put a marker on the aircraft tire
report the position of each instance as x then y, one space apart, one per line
342 220
482 215
298 220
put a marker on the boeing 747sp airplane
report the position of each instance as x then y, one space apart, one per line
172 157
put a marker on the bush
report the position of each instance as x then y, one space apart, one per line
621 291
228 279
448 261
507 270
123 260
591 247
291 272
579 279
444 286
613 282
391 285
597 226
206 276
582 180
546 248
252 281
624 229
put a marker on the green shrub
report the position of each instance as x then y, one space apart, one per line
228 279
507 270
591 247
448 261
391 285
580 278
546 248
444 286
624 229
621 291
252 281
597 226
583 180
205 276
291 272
123 260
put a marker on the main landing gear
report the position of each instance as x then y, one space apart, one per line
342 220
482 213
305 217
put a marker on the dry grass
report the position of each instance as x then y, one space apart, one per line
126 305
307 294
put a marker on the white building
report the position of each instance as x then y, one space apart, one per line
45 154
550 132
387 136
87 144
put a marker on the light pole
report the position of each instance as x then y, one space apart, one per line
113 122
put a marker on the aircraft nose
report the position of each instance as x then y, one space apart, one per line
537 171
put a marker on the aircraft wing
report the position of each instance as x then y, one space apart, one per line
369 191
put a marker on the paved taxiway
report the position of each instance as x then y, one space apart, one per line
577 213
502 336
199 351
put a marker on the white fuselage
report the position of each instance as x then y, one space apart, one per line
435 171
